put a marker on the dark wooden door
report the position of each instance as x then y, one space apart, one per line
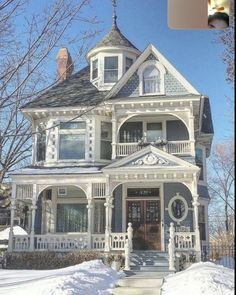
145 218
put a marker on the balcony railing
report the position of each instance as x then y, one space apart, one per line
183 147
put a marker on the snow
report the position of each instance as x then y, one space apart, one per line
87 278
200 278
17 230
58 170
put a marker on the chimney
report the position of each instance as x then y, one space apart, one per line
65 65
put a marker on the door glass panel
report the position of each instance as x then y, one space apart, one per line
152 212
134 212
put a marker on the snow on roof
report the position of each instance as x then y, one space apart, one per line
17 230
58 170
200 278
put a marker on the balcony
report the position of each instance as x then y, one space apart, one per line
178 148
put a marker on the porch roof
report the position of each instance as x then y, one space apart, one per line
39 170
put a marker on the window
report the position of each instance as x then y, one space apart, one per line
151 80
111 69
41 144
131 132
72 218
178 208
72 140
106 139
99 217
202 222
154 131
143 192
128 63
94 69
199 162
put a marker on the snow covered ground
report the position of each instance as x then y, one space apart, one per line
201 278
87 278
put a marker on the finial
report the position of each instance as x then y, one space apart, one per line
114 4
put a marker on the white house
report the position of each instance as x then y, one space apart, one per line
122 142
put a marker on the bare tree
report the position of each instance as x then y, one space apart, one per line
221 187
27 42
227 38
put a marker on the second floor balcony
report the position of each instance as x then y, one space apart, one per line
167 134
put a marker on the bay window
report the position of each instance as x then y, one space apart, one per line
128 63
95 69
41 144
72 218
111 69
106 140
199 162
72 140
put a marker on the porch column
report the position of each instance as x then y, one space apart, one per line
13 208
114 137
196 227
33 212
108 205
89 230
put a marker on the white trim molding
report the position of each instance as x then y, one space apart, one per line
162 72
178 197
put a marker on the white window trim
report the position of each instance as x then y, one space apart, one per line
162 71
178 197
204 166
72 132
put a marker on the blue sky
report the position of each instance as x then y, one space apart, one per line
195 53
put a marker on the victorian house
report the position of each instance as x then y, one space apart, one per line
121 144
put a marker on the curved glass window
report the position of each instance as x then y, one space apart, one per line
151 80
178 208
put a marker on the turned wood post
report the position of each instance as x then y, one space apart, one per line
197 232
127 254
13 208
130 236
171 248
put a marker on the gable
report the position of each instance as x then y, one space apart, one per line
151 157
172 86
175 83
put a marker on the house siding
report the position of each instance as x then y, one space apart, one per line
170 190
117 210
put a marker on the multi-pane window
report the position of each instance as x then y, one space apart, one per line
154 131
106 139
72 218
95 69
72 141
128 63
202 222
199 162
111 69
151 80
41 144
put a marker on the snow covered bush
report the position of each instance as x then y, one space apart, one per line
48 259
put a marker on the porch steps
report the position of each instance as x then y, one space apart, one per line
149 261
139 284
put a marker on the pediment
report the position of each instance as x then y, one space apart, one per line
151 157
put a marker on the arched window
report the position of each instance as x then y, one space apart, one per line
151 80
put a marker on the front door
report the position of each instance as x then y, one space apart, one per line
145 218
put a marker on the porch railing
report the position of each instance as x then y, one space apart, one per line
61 242
21 243
183 147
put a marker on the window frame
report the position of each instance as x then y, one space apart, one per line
104 69
204 172
162 73
72 131
93 69
177 196
105 140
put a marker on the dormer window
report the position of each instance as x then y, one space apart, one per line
151 78
94 69
111 69
128 63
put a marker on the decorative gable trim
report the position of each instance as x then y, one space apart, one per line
141 59
151 157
